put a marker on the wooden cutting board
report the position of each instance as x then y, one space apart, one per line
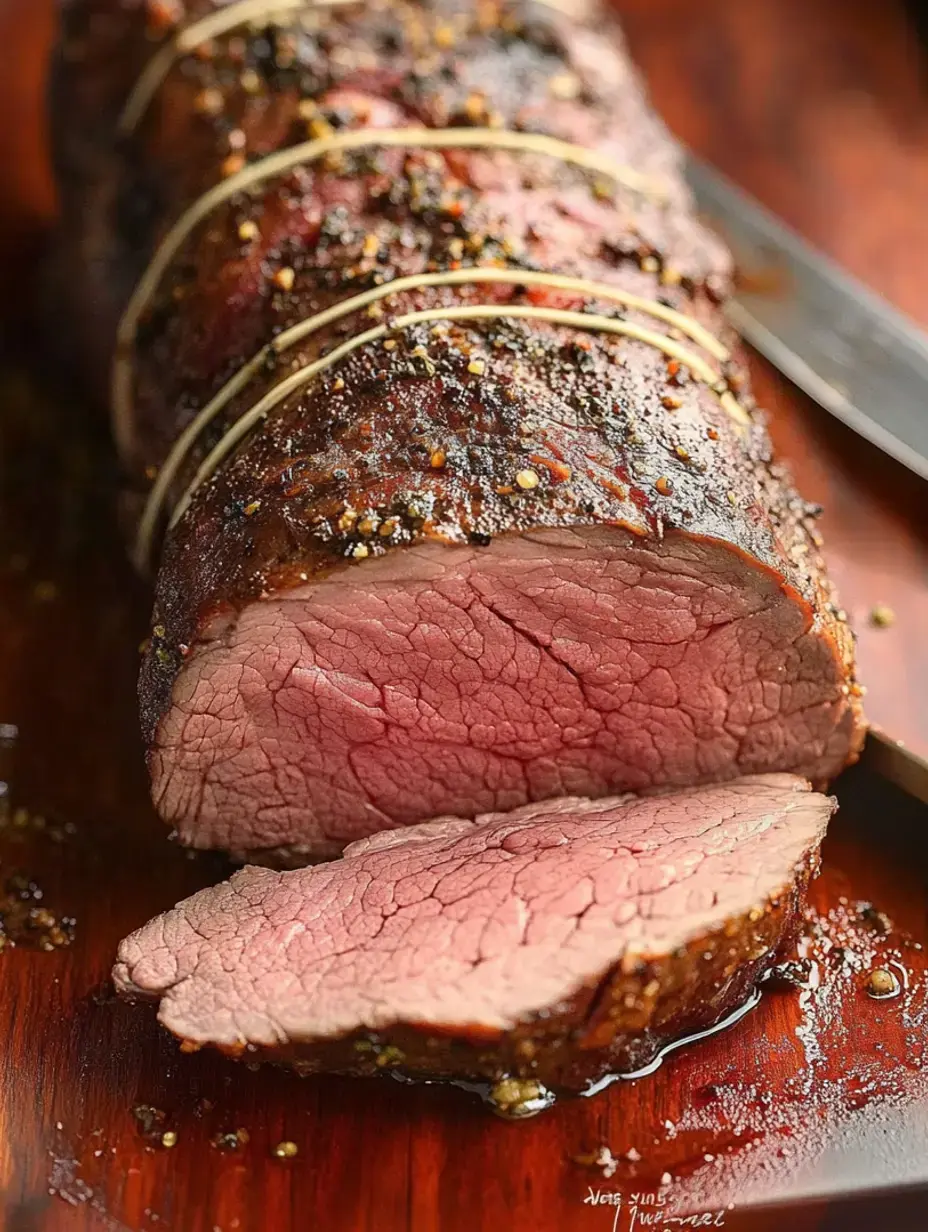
821 108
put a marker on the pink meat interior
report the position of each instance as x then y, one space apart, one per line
462 680
455 922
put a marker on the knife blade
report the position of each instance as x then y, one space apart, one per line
832 336
839 342
892 760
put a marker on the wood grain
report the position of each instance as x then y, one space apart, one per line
820 108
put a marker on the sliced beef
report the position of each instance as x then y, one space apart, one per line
481 565
558 942
462 680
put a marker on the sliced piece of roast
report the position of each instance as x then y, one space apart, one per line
463 680
559 942
479 564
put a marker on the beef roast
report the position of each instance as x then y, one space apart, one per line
474 564
557 942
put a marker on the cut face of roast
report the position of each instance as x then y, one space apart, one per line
558 941
462 680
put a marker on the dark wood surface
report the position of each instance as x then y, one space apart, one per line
821 108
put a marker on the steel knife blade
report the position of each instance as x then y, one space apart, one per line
839 342
892 760
832 336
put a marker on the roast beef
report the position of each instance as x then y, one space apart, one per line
558 942
474 564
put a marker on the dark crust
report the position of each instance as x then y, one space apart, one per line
601 426
616 1025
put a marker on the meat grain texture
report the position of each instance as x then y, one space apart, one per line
559 942
498 572
478 564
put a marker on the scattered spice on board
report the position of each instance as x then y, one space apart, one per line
601 1158
882 984
150 1120
233 1140
25 920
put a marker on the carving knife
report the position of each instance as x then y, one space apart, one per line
840 342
